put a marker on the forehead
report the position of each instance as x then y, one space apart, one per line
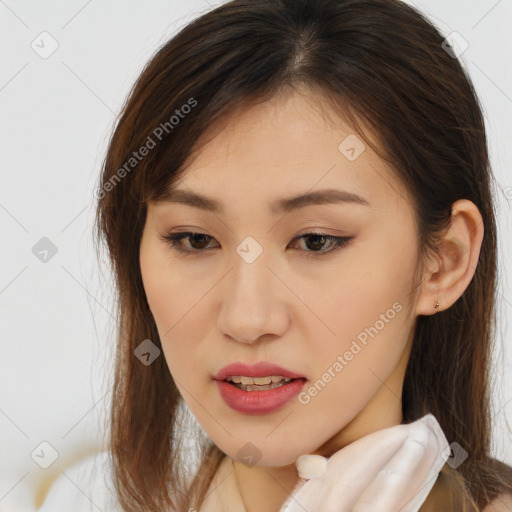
284 147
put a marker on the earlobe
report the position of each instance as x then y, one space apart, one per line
449 273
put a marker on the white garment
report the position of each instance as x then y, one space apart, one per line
388 470
84 487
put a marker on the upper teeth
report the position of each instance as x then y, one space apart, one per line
249 381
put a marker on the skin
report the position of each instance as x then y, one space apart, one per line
214 308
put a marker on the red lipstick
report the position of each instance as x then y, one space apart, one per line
254 401
261 369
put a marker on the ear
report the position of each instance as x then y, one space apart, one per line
447 274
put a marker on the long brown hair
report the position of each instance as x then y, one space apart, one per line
382 65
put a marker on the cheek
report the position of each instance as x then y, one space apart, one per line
178 310
351 368
367 311
179 303
374 294
164 287
160 287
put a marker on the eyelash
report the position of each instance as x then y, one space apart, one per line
174 241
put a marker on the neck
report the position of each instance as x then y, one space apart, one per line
264 488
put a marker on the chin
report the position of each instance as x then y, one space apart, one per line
253 454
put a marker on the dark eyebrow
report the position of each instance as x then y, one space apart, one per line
327 196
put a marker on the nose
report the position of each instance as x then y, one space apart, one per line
253 302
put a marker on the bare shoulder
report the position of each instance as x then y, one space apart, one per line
502 503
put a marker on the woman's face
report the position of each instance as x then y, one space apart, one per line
252 289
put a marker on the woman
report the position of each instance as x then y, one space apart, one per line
302 184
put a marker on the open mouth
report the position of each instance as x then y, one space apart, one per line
258 383
259 395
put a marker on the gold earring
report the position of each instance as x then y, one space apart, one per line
436 305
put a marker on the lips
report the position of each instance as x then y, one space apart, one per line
261 369
259 402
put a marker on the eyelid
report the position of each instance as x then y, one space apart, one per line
173 239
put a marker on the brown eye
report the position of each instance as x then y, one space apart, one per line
199 242
318 241
315 242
